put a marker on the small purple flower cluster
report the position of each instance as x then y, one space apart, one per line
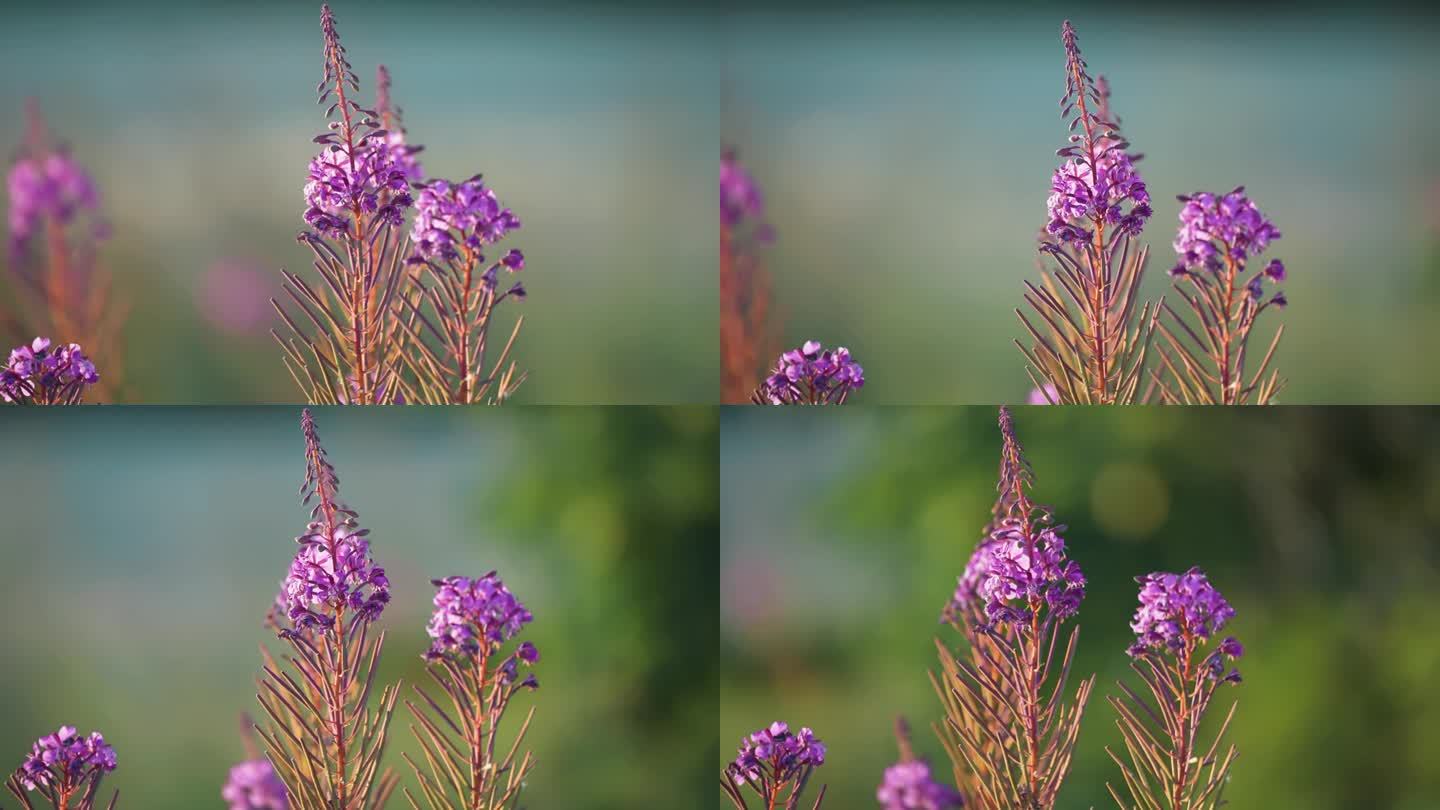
339 185
740 195
254 785
476 616
909 786
36 374
54 186
468 214
1020 569
347 579
1080 193
776 755
1230 226
1180 610
64 758
1215 227
810 375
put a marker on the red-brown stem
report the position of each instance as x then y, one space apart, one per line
1098 320
338 683
1182 745
478 761
745 334
1227 395
463 322
1032 700
337 705
359 250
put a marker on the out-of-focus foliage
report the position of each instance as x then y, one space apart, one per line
844 533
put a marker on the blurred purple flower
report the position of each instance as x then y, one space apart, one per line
54 186
476 616
740 195
254 785
64 759
1045 395
909 786
235 296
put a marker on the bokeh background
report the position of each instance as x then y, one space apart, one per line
596 123
142 548
843 534
906 157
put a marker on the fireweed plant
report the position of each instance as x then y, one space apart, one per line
1206 358
62 289
473 620
1008 729
776 765
323 737
1168 768
1090 333
65 770
324 741
398 317
746 331
908 784
811 375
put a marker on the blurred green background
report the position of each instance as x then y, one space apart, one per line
597 124
906 158
842 534
143 547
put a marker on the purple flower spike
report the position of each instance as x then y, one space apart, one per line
65 764
472 621
1097 186
1218 235
254 785
38 374
333 573
810 375
474 617
1178 615
909 786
